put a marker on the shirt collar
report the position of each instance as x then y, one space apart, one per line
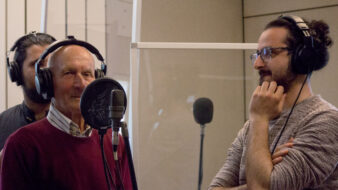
63 123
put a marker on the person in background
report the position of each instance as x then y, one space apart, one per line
28 49
284 110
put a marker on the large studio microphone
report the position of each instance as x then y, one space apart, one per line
103 104
97 109
203 111
116 111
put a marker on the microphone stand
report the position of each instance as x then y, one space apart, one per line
102 132
200 170
125 135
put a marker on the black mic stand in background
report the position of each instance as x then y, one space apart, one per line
200 171
203 111
125 135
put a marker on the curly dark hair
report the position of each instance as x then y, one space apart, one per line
27 41
319 30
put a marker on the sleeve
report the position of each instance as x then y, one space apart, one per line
15 171
228 175
313 158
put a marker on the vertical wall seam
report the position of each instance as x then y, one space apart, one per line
6 47
66 18
25 19
105 29
244 68
86 20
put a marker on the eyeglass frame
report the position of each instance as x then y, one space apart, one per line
254 56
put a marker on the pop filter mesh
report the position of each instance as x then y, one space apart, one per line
95 99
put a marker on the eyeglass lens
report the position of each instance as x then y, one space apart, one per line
265 54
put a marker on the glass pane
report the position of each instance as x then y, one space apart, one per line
166 138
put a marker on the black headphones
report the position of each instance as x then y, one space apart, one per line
304 56
13 68
44 77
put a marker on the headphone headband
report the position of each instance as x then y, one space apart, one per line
70 41
299 22
304 57
44 77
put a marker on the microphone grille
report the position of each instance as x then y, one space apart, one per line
203 110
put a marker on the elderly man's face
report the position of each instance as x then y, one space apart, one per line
73 69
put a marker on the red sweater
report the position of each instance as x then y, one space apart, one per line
39 156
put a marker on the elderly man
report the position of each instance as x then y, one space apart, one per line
61 151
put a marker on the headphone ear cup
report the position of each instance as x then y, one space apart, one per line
44 83
15 73
99 73
304 60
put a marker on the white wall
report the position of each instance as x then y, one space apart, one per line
3 48
17 19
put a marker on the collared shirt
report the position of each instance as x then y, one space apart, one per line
63 123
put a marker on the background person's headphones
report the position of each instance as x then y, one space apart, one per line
13 68
44 77
304 57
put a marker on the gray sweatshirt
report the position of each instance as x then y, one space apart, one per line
312 161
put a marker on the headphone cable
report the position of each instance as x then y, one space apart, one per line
287 119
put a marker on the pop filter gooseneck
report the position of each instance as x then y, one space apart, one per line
203 111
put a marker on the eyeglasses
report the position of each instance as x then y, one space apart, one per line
266 53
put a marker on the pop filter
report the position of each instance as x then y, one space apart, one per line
95 99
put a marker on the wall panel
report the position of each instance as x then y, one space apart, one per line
3 49
118 34
16 28
254 7
76 18
96 25
56 19
33 15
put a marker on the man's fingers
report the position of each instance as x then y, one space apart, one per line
272 87
283 146
277 160
280 91
291 140
279 153
265 86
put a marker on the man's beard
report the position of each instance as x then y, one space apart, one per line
33 95
285 80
